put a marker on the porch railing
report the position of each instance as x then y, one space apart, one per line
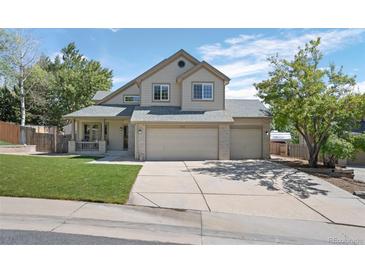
87 146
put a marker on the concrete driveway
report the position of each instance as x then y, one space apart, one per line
252 187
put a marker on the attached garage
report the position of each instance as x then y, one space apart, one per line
246 143
181 143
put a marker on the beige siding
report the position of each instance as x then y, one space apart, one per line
118 98
182 143
115 135
166 75
202 75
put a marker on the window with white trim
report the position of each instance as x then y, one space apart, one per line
161 92
132 98
203 91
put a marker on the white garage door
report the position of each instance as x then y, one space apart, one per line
182 144
246 143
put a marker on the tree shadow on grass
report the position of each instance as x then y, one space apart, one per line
272 176
91 158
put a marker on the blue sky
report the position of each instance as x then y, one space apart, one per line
239 53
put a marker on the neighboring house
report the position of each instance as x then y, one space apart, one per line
280 137
176 110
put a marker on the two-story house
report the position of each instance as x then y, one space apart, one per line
176 110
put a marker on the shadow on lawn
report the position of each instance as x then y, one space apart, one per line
268 174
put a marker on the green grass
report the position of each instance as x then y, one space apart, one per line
3 143
68 178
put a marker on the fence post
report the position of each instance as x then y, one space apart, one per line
55 138
22 136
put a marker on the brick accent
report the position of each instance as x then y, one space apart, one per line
141 142
102 147
224 142
266 141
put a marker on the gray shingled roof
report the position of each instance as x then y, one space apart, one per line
246 108
175 114
103 111
100 95
234 108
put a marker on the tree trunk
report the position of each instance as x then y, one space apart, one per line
313 158
313 151
329 161
22 109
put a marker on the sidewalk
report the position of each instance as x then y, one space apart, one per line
167 225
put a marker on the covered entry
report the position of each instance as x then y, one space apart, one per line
246 143
181 143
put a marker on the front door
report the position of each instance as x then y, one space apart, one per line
125 137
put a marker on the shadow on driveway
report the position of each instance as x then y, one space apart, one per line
270 175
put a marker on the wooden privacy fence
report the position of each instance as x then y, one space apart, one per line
279 149
44 142
9 132
299 151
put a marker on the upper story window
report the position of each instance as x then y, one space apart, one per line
203 91
132 98
161 92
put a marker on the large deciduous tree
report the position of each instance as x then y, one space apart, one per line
18 53
9 105
317 102
76 80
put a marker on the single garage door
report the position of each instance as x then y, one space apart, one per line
182 144
246 143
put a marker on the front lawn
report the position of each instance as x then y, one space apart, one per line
69 178
3 143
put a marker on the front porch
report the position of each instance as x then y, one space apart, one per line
100 136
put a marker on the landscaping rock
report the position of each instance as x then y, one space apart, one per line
360 194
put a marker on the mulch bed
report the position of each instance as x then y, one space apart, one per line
345 183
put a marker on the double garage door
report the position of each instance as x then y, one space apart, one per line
182 143
188 143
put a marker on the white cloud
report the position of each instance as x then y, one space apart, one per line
239 82
243 68
262 47
55 54
119 80
241 38
243 58
114 29
244 93
360 87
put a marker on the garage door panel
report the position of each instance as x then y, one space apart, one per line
182 143
246 144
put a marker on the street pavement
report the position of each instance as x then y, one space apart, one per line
161 225
26 237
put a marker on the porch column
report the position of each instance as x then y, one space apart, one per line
102 143
103 130
73 130
72 143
